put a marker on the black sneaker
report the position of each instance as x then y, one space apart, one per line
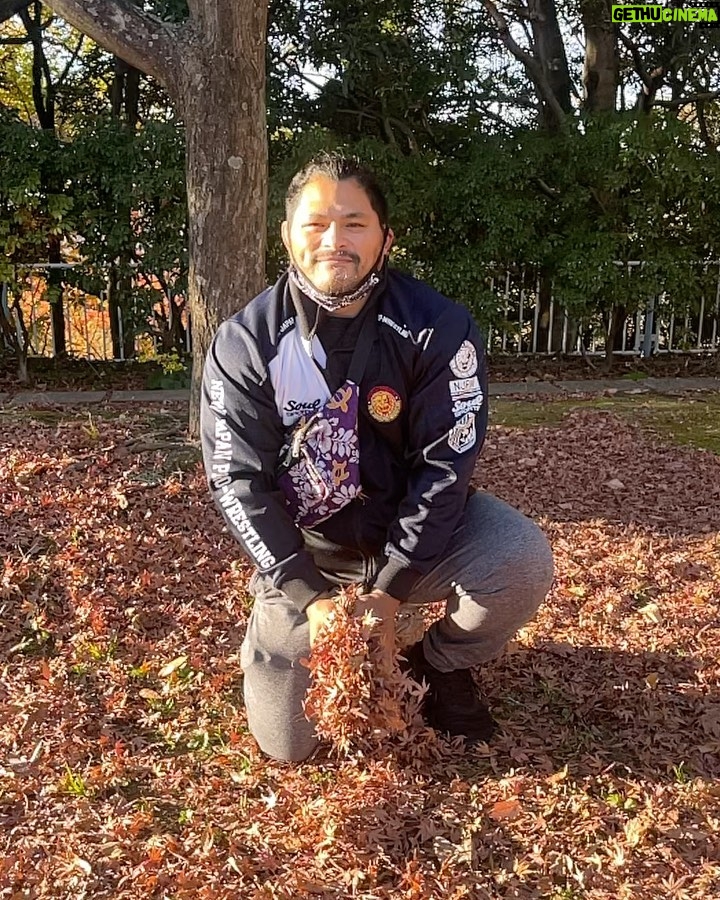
452 704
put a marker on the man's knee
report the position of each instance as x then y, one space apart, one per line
530 569
285 741
518 578
286 750
274 713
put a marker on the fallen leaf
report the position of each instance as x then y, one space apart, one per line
170 667
505 809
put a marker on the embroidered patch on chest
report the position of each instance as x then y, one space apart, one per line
384 404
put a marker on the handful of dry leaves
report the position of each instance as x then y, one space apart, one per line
357 702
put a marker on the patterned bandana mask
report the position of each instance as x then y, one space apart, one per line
332 302
319 465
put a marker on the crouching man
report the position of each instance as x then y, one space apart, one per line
344 409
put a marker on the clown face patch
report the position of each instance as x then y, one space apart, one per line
463 436
465 362
384 404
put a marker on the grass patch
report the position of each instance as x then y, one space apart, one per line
692 421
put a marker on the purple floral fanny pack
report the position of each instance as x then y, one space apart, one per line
319 470
319 466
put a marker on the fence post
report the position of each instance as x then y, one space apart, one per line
536 317
713 343
121 335
490 327
521 314
507 309
647 337
701 321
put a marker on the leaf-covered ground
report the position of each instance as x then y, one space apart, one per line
126 770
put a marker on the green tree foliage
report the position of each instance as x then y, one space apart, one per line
113 169
608 191
120 204
447 108
448 111
30 215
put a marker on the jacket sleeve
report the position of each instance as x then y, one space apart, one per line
242 435
447 425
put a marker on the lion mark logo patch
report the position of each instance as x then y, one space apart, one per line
465 362
384 404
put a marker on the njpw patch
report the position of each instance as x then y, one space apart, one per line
465 387
465 362
467 396
463 436
384 404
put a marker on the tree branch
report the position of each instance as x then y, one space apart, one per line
686 101
532 65
636 58
141 39
9 8
71 61
704 131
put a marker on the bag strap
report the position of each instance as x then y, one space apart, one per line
361 354
365 340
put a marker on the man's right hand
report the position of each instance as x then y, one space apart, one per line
317 613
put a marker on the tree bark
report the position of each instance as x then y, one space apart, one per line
9 8
214 68
601 66
550 53
613 337
143 40
124 100
54 283
125 93
43 92
226 174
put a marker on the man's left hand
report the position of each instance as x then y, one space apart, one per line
383 607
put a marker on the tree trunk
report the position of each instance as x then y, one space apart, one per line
544 301
43 99
214 68
125 93
601 67
115 315
226 169
54 283
124 99
550 52
614 326
122 328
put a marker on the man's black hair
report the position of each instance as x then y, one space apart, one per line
337 167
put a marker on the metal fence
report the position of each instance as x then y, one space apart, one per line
661 327
88 331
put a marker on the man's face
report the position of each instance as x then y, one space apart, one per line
334 237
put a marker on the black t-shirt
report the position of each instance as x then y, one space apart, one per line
339 335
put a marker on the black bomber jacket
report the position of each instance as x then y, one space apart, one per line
422 422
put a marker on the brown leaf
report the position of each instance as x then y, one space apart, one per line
505 809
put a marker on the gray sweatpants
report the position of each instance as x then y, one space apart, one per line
495 572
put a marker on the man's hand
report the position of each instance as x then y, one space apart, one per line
317 613
382 606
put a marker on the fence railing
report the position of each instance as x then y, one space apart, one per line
86 317
661 326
